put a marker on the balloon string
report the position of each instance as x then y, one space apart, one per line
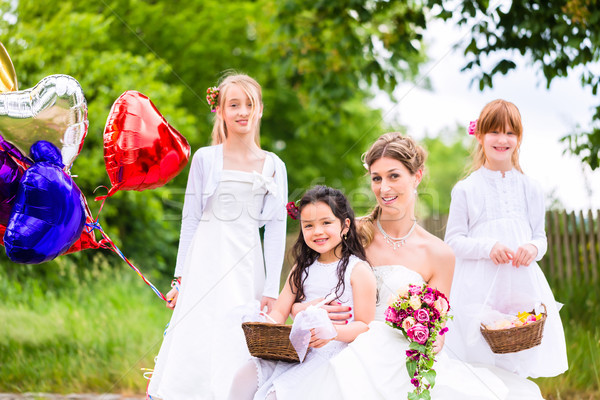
107 243
103 198
147 375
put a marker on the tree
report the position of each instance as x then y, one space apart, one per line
559 36
445 165
316 61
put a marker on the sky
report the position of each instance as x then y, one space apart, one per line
547 114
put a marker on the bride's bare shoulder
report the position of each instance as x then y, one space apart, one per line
440 252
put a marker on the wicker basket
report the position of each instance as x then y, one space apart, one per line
511 340
270 341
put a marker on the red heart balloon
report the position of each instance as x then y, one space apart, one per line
141 149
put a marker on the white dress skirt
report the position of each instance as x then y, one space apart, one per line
374 365
204 343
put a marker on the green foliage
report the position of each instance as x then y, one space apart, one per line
560 37
316 61
445 166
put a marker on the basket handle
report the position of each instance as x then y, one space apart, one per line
264 314
545 310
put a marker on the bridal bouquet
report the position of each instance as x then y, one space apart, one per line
420 312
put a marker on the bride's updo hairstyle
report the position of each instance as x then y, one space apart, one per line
401 148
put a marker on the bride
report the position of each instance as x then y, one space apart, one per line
401 252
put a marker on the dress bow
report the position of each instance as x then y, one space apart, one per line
267 182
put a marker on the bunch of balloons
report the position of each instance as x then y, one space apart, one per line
43 213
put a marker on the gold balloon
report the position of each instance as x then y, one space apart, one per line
8 76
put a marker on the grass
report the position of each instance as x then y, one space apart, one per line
79 329
582 380
93 336
581 322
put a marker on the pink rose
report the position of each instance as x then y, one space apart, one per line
391 315
414 290
429 299
408 323
422 315
418 333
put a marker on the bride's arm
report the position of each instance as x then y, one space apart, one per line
442 267
338 314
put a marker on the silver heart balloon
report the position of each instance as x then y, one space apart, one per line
54 110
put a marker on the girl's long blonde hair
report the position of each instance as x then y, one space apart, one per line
401 148
495 116
254 92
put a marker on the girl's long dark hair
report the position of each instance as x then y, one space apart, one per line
304 256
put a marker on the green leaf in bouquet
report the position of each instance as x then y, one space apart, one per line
430 377
429 363
416 346
413 396
411 367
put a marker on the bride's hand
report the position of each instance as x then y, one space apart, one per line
337 313
439 343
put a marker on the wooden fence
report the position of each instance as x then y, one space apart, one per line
573 245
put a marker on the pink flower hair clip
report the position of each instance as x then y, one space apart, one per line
472 127
292 210
212 97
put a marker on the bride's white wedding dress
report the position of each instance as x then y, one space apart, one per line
374 365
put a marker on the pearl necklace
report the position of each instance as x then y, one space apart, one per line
396 243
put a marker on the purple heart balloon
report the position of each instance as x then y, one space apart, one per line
10 176
48 213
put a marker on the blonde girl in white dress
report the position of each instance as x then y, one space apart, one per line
234 188
329 259
401 253
496 229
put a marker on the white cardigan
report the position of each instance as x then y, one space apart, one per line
204 176
467 208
